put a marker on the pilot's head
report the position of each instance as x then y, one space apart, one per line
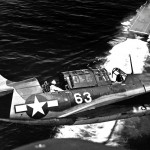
53 82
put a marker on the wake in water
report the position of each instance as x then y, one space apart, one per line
119 56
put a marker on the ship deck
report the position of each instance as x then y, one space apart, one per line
141 22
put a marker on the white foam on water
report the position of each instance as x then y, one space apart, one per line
98 132
119 56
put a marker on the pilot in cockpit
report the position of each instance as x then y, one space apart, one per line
119 78
53 87
120 75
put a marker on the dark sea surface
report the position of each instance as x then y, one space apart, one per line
43 37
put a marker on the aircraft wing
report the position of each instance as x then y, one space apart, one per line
99 102
24 88
27 87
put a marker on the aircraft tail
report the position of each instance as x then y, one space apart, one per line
15 93
4 84
2 78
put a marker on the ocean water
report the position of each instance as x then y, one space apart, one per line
41 38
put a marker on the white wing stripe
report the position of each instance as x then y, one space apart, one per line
52 103
21 108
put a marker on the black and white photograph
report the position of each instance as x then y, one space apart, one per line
74 74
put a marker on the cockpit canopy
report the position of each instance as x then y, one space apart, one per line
84 78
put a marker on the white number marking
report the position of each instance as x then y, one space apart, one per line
88 98
79 99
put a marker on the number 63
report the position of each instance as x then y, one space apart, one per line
79 99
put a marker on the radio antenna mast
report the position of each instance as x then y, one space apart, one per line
131 65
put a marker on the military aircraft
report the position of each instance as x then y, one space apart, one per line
87 96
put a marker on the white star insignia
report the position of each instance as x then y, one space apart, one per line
37 106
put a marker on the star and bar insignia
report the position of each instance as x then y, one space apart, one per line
34 108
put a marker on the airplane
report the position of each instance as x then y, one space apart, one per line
87 96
